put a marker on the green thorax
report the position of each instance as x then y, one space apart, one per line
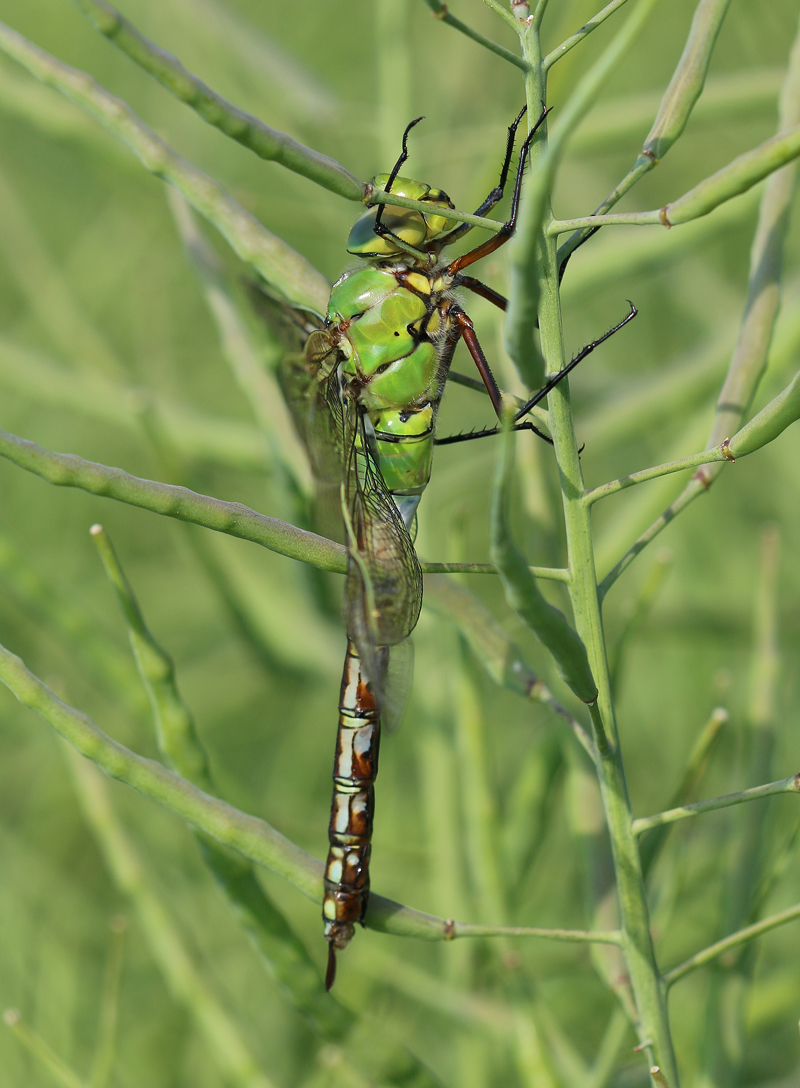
387 322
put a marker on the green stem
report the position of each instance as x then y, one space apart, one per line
250 836
576 936
576 38
645 474
542 272
504 14
439 11
786 785
36 1046
290 276
374 195
237 1065
67 470
243 127
700 959
552 574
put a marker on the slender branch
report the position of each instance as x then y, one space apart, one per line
700 959
594 222
164 939
58 1069
374 195
645 474
233 518
504 14
439 11
587 28
577 936
289 275
674 110
786 785
652 846
251 836
553 574
243 127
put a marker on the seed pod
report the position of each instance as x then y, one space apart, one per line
769 423
547 622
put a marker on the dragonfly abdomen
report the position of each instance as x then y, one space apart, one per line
352 809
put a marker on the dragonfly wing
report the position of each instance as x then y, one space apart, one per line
396 684
383 593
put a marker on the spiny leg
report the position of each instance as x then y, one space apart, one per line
379 228
478 288
485 432
496 195
467 332
542 393
508 228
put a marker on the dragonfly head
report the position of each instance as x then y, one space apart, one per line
422 230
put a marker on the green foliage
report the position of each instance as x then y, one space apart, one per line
131 336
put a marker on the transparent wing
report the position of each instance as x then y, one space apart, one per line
383 593
398 679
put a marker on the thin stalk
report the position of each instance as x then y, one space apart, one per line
536 271
504 14
755 793
268 143
58 1069
374 195
674 110
235 1062
645 474
290 276
637 943
251 836
552 574
439 11
66 470
650 849
700 959
574 936
105 1046
576 38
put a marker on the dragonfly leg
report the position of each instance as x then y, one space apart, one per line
478 288
507 230
496 195
486 432
467 331
587 350
379 228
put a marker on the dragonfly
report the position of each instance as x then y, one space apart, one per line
365 394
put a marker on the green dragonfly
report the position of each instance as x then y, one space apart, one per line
365 395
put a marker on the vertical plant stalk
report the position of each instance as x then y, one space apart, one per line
541 278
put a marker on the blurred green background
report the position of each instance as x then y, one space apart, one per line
106 339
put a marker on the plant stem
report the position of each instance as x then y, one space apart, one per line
700 959
188 988
552 574
243 127
579 35
576 936
786 785
440 12
35 1045
637 943
290 276
67 470
504 14
645 474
